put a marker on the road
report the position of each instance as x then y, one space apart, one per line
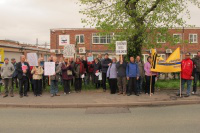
172 119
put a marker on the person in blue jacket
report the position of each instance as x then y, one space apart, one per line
132 73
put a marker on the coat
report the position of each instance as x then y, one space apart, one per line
132 70
77 69
37 75
57 71
7 71
104 64
97 67
64 69
20 71
112 71
196 62
187 69
121 69
141 68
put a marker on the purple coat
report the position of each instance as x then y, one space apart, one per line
64 72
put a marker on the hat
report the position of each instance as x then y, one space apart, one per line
13 59
6 59
188 54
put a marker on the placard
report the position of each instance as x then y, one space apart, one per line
49 68
32 59
90 59
82 50
64 40
69 50
121 47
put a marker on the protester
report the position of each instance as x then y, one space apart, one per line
90 74
96 72
37 72
72 63
121 76
67 75
106 62
140 64
196 61
23 72
14 76
79 72
150 77
132 73
112 75
187 67
7 70
54 78
85 69
43 76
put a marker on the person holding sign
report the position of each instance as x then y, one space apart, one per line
37 72
23 73
54 78
67 75
79 72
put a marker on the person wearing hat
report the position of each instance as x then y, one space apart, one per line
187 67
7 70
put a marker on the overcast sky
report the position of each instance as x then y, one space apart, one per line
26 20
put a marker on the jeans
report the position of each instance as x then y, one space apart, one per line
189 83
140 84
196 78
23 86
121 81
54 87
8 86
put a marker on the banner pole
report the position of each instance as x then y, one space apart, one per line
180 85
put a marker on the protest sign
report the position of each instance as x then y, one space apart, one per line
49 68
32 59
69 50
90 59
121 47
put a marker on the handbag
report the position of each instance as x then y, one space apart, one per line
69 73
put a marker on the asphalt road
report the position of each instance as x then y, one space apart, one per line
174 119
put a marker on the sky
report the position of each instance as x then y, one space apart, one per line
27 20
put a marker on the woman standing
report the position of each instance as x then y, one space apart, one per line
37 72
112 75
150 83
66 75
96 71
79 71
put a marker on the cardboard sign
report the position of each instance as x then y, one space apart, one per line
1 56
64 40
69 50
121 47
32 59
49 68
82 50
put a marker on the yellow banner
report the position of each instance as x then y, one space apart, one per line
1 56
172 64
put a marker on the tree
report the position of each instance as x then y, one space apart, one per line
137 21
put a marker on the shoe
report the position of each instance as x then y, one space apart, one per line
177 94
137 94
35 95
69 92
65 93
5 96
52 95
57 95
194 93
120 93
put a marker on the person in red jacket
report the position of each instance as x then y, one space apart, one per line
187 67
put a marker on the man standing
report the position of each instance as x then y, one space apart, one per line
23 73
7 71
14 77
186 73
140 64
132 73
196 61
106 62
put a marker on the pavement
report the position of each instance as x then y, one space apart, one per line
98 98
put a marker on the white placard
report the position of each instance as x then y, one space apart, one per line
64 40
49 68
69 50
121 47
82 50
32 59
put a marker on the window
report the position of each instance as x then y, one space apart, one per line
161 38
177 38
193 55
145 56
163 56
193 38
99 39
80 39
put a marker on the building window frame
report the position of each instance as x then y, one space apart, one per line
193 40
79 38
145 56
101 39
179 39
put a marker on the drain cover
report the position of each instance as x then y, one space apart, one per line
107 110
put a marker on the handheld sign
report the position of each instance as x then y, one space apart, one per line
32 59
49 68
90 59
121 47
69 50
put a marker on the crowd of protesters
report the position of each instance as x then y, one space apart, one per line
123 77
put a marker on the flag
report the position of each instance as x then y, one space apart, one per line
172 64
